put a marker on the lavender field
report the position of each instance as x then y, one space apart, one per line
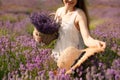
21 58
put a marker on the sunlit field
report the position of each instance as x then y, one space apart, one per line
21 57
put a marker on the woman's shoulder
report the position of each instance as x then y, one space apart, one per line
59 9
80 12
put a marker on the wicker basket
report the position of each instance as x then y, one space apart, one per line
46 38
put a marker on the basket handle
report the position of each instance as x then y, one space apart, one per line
52 14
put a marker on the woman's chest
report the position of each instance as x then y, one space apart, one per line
66 17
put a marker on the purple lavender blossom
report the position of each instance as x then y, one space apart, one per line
44 23
51 75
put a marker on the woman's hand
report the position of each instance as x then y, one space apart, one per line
90 42
100 44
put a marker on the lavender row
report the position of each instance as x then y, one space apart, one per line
22 27
21 58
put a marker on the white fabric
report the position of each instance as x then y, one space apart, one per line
68 36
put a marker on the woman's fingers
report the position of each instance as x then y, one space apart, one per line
102 44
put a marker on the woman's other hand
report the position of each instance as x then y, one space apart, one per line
100 44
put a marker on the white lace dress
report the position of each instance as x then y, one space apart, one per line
68 36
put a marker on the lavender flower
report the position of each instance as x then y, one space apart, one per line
44 23
51 75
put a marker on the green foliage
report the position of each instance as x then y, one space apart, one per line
108 56
49 46
118 41
30 28
10 60
94 22
3 32
8 17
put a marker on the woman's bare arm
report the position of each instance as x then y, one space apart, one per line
88 40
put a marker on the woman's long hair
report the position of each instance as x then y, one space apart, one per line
82 5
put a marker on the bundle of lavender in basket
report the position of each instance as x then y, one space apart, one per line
45 24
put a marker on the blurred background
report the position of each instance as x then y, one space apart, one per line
15 9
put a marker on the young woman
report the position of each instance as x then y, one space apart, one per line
74 30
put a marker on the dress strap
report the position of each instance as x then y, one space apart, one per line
74 16
73 19
59 15
60 12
